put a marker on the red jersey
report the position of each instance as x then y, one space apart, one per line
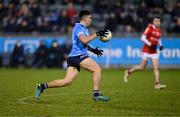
153 35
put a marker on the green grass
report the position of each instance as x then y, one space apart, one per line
137 97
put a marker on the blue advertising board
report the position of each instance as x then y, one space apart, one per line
118 51
30 43
128 51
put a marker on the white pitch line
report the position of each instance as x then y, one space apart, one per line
23 99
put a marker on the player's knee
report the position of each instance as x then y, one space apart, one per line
156 69
141 67
67 82
98 69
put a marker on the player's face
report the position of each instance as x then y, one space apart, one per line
88 20
157 22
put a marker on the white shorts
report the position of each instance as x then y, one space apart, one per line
151 56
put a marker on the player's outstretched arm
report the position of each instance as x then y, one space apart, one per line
96 51
102 32
90 48
86 39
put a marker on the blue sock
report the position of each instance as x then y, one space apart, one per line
96 93
44 86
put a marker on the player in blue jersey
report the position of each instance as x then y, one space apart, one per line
78 58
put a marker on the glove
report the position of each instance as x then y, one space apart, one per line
102 33
98 52
161 48
153 46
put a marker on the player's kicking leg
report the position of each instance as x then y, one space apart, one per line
135 68
156 74
70 76
90 65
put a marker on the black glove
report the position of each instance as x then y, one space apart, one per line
153 46
98 52
161 48
102 32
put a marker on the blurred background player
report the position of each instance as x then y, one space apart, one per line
17 57
55 56
78 57
151 39
40 55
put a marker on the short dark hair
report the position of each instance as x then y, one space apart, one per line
156 17
83 13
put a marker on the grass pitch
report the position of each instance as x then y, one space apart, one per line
137 97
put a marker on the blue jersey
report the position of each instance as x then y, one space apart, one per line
78 48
